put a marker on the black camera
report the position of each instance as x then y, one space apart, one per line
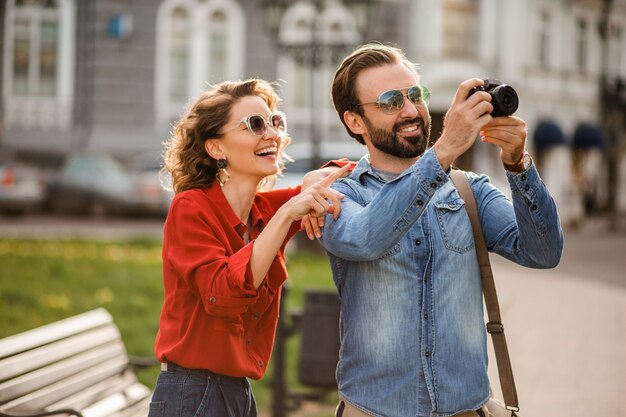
503 97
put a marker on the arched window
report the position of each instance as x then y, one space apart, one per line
178 54
38 63
198 42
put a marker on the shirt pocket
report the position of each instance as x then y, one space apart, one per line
226 313
454 224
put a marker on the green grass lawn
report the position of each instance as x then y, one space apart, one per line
42 281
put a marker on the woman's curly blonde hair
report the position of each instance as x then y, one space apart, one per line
185 158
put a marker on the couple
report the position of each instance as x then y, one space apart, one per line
399 242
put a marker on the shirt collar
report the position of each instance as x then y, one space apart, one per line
215 194
365 167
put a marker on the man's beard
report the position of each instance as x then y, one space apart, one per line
391 143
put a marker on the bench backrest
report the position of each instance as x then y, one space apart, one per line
78 363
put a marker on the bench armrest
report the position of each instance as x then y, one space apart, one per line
41 413
142 361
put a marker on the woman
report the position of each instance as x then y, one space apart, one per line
223 249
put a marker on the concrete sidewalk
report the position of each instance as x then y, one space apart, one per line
567 341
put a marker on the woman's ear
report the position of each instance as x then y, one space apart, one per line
214 148
355 122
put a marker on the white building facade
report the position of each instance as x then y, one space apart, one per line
113 76
552 53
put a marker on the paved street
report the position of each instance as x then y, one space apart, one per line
566 327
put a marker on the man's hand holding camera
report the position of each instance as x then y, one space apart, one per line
483 106
508 133
465 118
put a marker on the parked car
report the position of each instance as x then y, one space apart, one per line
98 184
146 166
22 187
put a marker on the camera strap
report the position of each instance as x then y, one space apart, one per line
494 326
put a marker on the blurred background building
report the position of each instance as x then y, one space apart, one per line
111 76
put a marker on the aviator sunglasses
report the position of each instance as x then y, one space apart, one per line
258 124
393 100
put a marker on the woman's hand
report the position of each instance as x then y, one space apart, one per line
317 199
317 175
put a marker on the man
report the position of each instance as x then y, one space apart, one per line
402 252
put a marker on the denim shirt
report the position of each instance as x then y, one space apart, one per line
413 339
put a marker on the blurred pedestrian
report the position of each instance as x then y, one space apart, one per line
223 249
413 339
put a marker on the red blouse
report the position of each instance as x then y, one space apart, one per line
213 318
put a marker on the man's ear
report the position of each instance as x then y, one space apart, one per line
355 122
214 148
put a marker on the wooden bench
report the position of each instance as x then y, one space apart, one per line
77 366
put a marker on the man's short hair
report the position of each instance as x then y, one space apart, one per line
344 92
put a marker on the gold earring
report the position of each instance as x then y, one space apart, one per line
221 169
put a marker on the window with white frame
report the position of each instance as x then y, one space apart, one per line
459 28
543 39
199 42
178 55
218 47
38 63
616 50
582 44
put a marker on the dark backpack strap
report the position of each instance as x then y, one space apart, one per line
494 327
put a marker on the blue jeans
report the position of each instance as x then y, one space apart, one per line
182 392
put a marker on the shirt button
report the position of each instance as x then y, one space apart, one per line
427 353
418 242
256 316
212 300
249 341
433 185
533 207
425 316
420 203
523 177
527 188
260 364
439 178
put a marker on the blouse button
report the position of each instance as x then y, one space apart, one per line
212 300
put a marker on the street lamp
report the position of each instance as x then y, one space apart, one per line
320 48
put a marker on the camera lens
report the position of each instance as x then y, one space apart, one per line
504 100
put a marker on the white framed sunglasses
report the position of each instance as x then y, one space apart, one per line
257 124
393 100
